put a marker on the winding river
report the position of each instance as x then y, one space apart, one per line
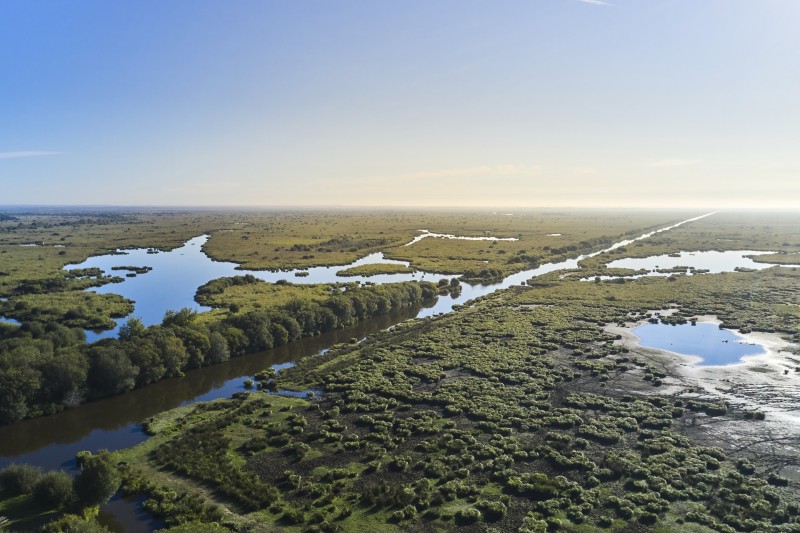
115 423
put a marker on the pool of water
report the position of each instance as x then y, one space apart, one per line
715 346
126 514
713 261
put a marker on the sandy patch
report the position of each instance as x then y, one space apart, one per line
768 383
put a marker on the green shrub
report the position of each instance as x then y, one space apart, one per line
19 479
54 489
467 516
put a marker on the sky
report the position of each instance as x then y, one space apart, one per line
631 103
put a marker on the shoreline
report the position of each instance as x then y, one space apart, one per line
766 383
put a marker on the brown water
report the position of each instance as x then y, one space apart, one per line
115 423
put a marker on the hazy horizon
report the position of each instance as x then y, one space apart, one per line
446 104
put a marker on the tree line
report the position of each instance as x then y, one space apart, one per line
46 367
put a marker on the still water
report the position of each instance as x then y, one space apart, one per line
713 261
115 423
176 275
715 346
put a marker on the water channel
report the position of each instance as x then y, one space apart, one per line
115 423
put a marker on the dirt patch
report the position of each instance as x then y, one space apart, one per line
766 383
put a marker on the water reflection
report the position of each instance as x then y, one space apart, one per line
114 423
713 262
176 275
714 345
125 513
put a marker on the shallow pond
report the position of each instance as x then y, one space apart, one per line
713 261
126 514
715 346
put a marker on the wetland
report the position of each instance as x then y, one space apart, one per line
519 377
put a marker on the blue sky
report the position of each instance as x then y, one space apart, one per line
420 102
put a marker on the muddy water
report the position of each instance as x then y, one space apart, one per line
115 423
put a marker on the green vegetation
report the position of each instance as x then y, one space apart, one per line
46 367
74 309
778 259
248 293
283 240
98 479
518 412
54 501
375 269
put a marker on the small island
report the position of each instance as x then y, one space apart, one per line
375 269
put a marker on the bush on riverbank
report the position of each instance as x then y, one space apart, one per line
45 367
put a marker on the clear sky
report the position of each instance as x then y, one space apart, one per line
413 102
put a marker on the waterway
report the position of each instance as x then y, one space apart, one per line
115 423
176 275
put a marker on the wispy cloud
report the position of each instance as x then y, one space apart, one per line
671 163
28 153
595 2
452 173
582 171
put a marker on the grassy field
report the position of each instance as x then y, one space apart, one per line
282 239
374 270
260 295
296 240
778 259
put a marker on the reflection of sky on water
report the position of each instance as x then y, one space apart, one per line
713 261
716 346
177 274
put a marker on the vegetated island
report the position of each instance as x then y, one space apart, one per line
777 258
375 269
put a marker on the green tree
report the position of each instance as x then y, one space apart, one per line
182 318
17 384
54 489
19 479
64 375
111 371
98 479
218 351
196 342
144 354
74 524
172 351
131 329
